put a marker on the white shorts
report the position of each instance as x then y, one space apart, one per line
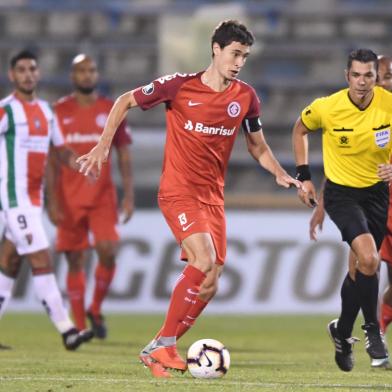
24 228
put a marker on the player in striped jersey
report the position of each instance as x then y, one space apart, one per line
27 128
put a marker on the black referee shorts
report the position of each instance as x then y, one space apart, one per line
357 211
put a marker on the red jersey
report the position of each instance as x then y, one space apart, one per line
202 125
82 126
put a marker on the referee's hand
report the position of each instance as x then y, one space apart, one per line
307 194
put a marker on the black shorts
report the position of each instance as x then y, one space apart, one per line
357 211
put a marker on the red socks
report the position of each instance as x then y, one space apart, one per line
76 286
190 318
103 278
385 316
184 295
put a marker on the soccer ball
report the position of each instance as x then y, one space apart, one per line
208 358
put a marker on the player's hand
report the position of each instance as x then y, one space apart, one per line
94 159
316 221
283 179
384 171
307 194
127 208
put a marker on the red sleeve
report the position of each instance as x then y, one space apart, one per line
123 135
254 106
163 89
251 121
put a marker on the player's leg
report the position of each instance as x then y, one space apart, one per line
340 329
201 257
350 301
72 239
386 304
76 286
102 223
360 216
104 274
27 232
208 289
10 263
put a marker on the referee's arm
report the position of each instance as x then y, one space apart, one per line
300 146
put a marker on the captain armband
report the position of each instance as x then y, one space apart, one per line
252 124
303 173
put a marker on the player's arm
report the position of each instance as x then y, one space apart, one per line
307 193
125 167
99 154
261 152
52 170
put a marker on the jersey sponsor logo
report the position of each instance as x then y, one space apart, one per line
82 138
382 138
190 103
192 292
34 144
100 120
149 89
234 109
200 127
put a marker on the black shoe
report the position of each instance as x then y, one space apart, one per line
97 325
86 334
5 347
375 345
72 339
343 347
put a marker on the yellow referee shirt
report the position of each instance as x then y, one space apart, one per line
355 141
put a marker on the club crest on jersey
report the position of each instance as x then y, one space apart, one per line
37 123
100 120
29 239
234 109
382 138
149 89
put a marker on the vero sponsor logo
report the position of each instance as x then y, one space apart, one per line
200 127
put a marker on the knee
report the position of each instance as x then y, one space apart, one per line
368 264
106 253
205 258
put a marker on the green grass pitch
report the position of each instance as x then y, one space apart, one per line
268 353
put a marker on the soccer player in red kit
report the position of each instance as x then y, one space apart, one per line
78 206
204 113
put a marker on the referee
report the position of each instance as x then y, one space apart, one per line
356 126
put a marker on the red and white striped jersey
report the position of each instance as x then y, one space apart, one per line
26 130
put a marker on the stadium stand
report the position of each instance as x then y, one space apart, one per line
300 54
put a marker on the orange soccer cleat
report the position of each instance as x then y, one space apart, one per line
168 357
157 370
